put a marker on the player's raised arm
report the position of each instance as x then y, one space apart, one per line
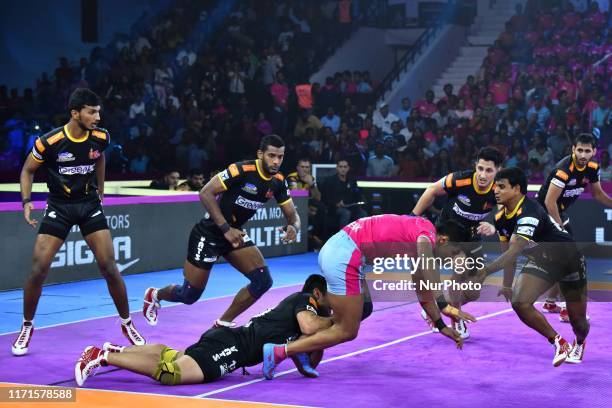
429 196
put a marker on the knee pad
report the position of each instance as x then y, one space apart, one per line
186 293
168 372
261 281
368 307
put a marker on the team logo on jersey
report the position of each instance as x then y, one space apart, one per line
86 169
65 157
269 194
572 182
224 175
464 199
93 154
250 188
249 204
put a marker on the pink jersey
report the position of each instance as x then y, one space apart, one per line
388 228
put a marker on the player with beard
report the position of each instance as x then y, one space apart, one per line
231 198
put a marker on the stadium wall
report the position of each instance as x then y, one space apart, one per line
149 234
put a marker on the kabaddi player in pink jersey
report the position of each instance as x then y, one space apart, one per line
341 259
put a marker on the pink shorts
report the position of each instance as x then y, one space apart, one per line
340 263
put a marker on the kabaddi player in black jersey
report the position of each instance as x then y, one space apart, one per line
220 350
470 200
231 198
74 158
525 227
564 185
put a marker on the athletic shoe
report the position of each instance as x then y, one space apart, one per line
150 306
564 316
112 348
429 322
91 359
562 350
461 328
270 359
577 353
302 362
222 323
551 307
20 345
132 334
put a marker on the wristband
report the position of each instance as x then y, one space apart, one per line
440 324
224 227
25 201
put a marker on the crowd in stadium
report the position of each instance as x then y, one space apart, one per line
177 104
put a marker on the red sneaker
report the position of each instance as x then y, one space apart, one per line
91 359
562 350
551 307
564 316
150 306
21 343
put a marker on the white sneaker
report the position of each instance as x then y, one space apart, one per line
150 306
112 348
429 322
87 365
461 328
20 345
130 332
577 353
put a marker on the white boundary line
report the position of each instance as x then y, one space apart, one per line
153 394
138 312
341 357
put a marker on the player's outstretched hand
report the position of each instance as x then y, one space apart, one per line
453 335
288 234
234 236
455 313
27 214
506 291
485 228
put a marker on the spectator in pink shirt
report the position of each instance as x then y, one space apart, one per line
500 89
465 90
279 90
426 107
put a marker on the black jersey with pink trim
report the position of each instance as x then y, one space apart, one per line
70 162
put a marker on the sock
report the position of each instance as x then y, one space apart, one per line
104 359
551 340
580 343
280 353
551 300
127 321
28 322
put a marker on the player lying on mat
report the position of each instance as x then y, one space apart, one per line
222 350
340 260
525 227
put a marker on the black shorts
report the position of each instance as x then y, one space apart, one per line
571 273
61 215
218 352
207 244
